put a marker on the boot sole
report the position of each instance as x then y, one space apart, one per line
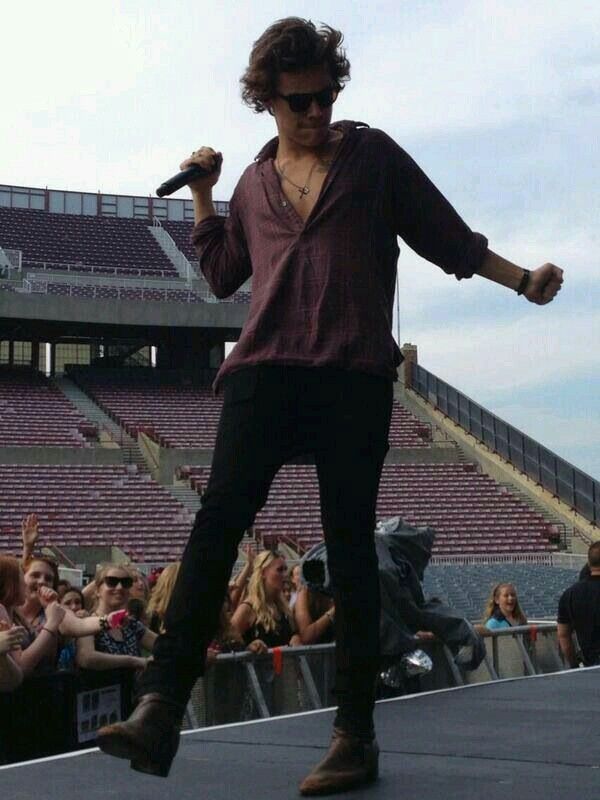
335 788
118 744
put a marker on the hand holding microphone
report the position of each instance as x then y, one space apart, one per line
200 172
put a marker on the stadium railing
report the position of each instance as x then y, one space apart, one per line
61 712
39 284
575 488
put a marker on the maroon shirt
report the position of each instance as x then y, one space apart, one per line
323 290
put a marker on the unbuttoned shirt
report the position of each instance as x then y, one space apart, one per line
323 289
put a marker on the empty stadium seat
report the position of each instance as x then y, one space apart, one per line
33 412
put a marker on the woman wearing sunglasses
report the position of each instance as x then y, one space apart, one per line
114 648
29 601
314 221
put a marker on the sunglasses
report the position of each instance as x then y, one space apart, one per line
302 102
112 582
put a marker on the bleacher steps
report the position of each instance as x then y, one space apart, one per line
130 450
173 253
542 509
186 496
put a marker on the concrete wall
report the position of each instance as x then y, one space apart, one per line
60 455
171 458
163 461
145 313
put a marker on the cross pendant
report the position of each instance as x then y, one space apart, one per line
303 190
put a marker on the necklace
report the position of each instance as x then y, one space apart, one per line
325 163
302 190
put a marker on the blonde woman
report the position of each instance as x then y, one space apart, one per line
159 599
114 648
263 618
502 609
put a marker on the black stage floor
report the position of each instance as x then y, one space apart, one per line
510 740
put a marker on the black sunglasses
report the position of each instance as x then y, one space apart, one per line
302 102
112 582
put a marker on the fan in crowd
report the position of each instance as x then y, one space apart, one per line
314 613
503 609
72 598
114 648
296 581
161 594
29 601
263 618
238 585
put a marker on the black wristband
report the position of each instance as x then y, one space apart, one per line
524 281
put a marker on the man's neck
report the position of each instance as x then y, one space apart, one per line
288 150
595 571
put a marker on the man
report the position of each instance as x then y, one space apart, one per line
579 612
314 220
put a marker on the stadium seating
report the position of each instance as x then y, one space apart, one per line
468 510
180 233
35 413
187 416
99 245
93 505
103 292
466 587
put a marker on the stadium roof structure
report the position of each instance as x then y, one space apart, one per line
81 266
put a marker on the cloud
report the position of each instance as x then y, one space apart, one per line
574 436
477 65
486 357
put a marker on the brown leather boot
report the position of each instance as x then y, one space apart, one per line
349 762
149 738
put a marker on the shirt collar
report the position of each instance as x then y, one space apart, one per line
270 148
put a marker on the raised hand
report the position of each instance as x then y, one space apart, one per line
250 554
544 284
30 531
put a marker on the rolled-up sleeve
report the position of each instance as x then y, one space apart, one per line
427 222
222 251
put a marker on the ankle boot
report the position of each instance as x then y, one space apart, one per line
149 738
349 762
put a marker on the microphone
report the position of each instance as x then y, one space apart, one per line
186 176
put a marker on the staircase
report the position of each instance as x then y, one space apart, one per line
173 253
566 530
130 451
186 496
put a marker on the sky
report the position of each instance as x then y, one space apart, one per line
498 101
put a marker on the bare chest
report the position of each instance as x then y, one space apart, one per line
302 186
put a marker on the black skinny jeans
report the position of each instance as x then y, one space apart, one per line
270 415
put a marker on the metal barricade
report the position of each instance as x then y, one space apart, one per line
242 686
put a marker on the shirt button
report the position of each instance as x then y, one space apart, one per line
284 203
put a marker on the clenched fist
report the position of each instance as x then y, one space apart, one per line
544 284
208 159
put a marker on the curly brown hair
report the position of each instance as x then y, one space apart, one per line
290 45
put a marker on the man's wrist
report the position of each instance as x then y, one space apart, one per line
524 283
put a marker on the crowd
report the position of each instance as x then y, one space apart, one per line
47 625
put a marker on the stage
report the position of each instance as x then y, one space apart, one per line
519 739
